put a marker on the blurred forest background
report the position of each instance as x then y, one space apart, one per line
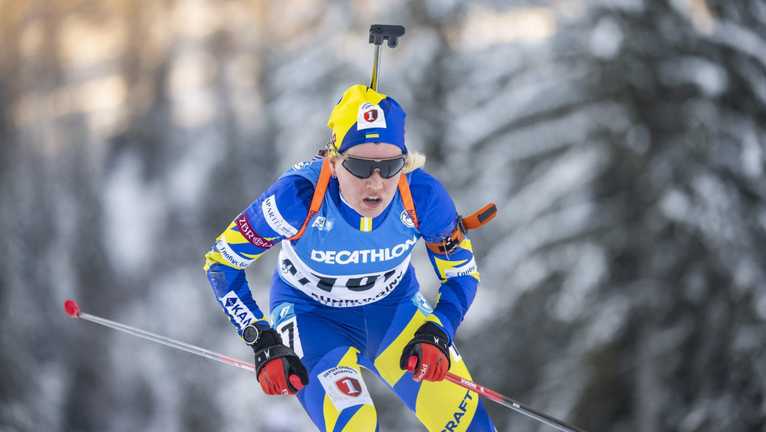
623 282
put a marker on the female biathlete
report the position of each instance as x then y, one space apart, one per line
344 294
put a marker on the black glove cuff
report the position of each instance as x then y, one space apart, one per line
270 353
266 338
428 333
269 346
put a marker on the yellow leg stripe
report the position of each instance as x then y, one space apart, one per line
387 362
443 405
330 414
365 419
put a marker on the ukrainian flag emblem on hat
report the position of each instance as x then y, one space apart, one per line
364 115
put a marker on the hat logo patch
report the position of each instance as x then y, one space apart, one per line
370 116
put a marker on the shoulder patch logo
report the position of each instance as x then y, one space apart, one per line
321 223
301 165
406 219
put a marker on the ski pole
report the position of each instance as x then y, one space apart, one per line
379 33
73 310
502 400
512 404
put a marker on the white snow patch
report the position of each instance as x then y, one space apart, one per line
634 6
752 156
709 77
193 101
191 172
588 270
606 39
608 320
485 27
133 215
760 305
675 205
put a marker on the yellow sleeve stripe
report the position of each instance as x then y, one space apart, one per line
233 237
444 265
213 257
237 257
448 268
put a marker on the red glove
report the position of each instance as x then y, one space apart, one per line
278 368
427 354
272 378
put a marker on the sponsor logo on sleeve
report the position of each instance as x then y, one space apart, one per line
274 218
463 270
237 310
222 247
370 116
345 387
249 233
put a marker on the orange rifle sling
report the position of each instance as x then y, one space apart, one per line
316 200
409 204
473 221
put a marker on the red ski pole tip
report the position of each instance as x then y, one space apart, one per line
72 308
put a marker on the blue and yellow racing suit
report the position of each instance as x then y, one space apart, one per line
345 296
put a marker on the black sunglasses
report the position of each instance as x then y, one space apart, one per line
363 168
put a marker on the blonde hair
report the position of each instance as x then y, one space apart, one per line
412 160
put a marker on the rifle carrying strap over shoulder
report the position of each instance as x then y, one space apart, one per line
475 220
321 188
316 201
409 203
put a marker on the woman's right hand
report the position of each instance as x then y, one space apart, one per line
278 368
283 376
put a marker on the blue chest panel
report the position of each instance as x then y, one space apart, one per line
339 265
332 246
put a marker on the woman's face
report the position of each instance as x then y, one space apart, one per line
369 196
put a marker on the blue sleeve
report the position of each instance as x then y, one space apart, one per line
457 271
277 214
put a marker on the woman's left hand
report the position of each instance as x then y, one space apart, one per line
427 354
